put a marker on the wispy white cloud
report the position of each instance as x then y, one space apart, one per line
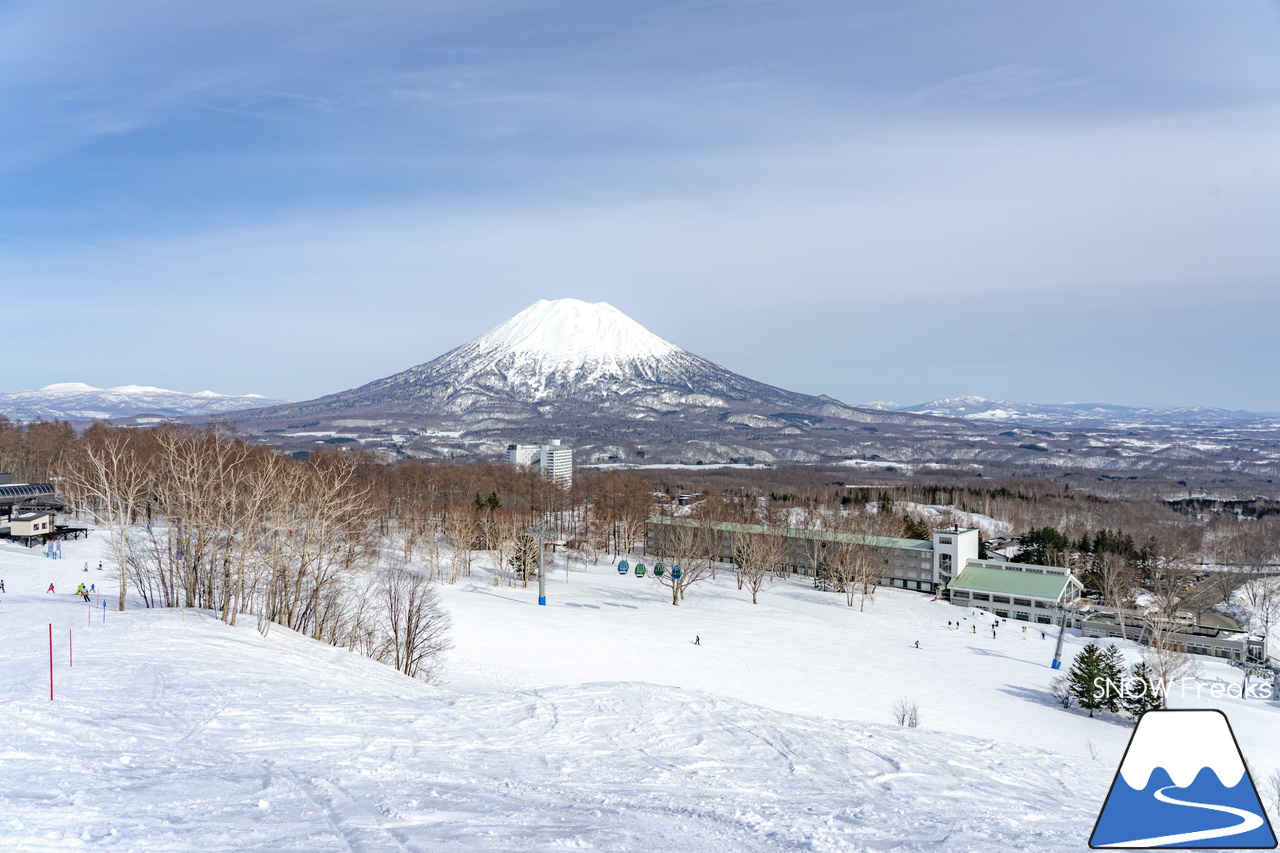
235 181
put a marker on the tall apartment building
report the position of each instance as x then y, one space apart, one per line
553 460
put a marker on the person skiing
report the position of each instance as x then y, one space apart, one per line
1 586
697 641
917 644
50 589
84 593
99 565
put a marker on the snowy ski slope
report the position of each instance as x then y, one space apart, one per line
593 723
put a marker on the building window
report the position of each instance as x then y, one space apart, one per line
1000 599
981 596
1022 602
944 540
1025 617
1043 620
1003 614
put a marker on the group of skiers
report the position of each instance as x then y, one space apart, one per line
82 591
994 625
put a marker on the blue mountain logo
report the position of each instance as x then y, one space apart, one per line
1183 783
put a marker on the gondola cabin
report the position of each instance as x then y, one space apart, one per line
623 567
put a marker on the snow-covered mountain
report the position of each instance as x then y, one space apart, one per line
78 401
566 356
982 409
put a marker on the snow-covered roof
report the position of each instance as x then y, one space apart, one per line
803 533
1022 579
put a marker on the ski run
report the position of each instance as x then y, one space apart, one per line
593 723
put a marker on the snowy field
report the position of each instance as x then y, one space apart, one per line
593 723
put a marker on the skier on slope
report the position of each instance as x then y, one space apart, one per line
50 589
697 641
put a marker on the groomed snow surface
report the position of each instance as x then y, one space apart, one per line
592 723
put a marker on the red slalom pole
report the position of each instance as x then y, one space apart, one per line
51 662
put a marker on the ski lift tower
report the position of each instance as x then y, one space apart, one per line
1261 670
542 575
1065 610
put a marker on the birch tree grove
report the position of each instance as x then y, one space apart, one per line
110 480
199 519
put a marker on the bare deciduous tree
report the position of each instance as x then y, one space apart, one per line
906 713
1166 658
415 626
110 479
757 556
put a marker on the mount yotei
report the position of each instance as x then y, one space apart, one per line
570 357
582 371
619 394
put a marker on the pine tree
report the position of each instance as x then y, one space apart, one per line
1088 675
914 528
1142 693
1113 677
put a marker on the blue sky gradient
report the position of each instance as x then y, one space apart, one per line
875 200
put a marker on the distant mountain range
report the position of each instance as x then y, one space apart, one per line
621 396
1074 414
78 402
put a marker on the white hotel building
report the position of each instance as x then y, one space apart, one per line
553 460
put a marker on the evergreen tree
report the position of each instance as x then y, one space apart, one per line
1088 675
1142 693
1113 677
1044 546
914 528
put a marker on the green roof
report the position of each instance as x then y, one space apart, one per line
803 533
1012 581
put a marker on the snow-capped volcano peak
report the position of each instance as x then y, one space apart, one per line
567 355
570 333
556 347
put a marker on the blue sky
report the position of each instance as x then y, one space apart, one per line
876 200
